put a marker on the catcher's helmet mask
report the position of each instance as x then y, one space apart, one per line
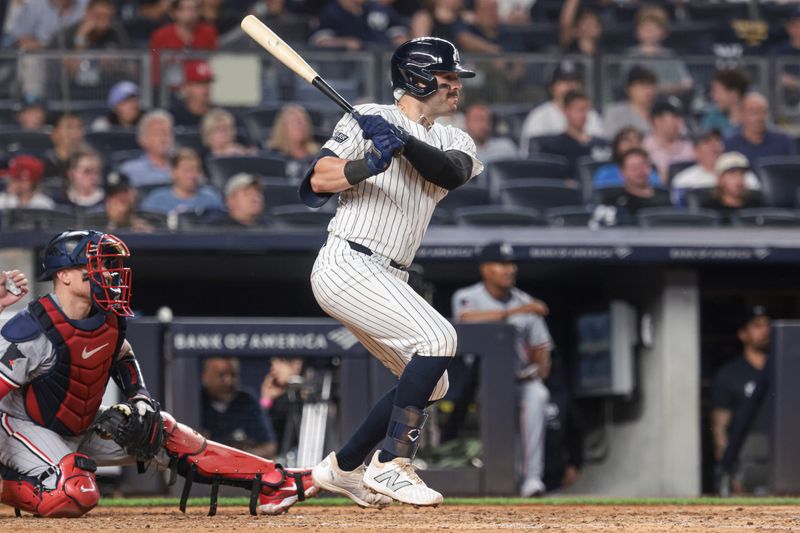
415 64
103 255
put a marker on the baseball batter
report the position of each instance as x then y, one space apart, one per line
391 165
56 358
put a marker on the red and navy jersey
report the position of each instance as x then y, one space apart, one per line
57 368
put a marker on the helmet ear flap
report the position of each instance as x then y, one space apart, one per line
419 81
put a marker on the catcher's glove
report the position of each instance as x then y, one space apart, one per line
135 425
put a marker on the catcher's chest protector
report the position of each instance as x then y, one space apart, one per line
66 398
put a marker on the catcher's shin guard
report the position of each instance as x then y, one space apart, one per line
74 495
273 489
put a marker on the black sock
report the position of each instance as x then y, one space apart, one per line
368 435
415 387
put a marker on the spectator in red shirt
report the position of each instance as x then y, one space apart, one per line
195 99
188 32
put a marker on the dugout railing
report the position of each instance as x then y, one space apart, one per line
183 343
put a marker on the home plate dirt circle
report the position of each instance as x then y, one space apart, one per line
689 518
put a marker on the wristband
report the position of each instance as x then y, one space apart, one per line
356 171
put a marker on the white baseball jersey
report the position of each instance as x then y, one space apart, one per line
21 363
390 212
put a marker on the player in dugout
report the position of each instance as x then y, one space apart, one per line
56 359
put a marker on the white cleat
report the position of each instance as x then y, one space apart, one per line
328 476
398 480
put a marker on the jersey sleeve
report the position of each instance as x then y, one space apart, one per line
462 302
347 141
721 395
18 361
462 142
538 333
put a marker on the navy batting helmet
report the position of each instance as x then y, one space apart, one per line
102 254
415 62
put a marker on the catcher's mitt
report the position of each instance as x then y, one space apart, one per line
135 425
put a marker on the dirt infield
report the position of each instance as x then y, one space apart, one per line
448 518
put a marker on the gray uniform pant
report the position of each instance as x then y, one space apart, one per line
534 398
31 449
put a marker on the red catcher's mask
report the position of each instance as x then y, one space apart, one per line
109 278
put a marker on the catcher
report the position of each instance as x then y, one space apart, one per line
56 358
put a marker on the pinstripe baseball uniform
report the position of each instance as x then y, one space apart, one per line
28 447
359 276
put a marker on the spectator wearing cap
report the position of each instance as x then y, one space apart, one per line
478 124
195 99
97 30
733 387
25 172
244 198
124 108
155 136
187 32
727 92
218 130
497 299
31 113
357 24
708 148
755 139
187 193
652 29
637 192
665 143
641 90
575 143
610 175
120 205
731 192
84 190
68 138
548 118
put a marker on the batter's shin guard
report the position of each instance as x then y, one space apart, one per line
273 489
405 429
74 495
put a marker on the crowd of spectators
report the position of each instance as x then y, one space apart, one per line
651 147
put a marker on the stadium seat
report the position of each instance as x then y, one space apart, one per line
536 166
278 192
95 220
586 168
17 141
780 177
300 216
574 216
497 215
766 216
190 138
540 193
694 198
106 142
222 168
465 196
157 220
38 219
676 168
656 217
119 157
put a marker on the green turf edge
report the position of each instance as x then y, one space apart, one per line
243 502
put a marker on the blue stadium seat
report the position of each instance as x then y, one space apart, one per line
657 217
38 219
222 168
18 141
106 142
780 177
766 216
569 216
540 193
300 216
497 215
587 167
278 192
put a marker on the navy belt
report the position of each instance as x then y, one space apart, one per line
360 248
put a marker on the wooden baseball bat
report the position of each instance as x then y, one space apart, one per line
284 53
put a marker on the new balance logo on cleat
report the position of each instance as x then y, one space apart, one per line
391 480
